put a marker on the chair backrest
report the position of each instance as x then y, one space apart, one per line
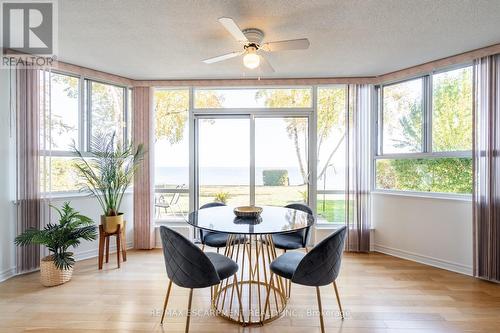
159 199
321 265
175 198
187 266
209 205
306 209
212 204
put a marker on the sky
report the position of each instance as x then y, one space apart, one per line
226 142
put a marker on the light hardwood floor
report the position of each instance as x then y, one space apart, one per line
379 293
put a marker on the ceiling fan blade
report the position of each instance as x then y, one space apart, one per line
233 29
265 66
292 44
222 57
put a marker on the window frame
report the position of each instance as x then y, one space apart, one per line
345 87
187 190
88 109
427 149
84 126
230 110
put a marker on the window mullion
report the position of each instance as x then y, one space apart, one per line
88 114
380 122
125 115
429 113
81 113
427 107
424 115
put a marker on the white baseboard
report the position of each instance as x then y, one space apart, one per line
93 253
7 274
435 262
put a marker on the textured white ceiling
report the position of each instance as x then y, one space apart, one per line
152 39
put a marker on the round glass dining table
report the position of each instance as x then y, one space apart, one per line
260 297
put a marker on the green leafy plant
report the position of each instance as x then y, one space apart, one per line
107 170
222 197
58 238
275 177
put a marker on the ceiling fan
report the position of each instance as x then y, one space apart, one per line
253 49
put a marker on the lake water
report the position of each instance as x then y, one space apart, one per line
220 176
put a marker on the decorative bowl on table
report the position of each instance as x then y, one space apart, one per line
248 212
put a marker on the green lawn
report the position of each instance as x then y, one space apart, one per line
331 210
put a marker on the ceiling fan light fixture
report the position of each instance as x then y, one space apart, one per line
251 59
252 42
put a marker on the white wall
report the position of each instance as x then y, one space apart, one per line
7 182
433 231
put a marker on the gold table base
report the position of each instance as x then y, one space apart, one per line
261 297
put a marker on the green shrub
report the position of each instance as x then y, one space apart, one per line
222 197
449 175
275 177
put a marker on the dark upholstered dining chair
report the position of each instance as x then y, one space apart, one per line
297 239
189 267
319 267
212 238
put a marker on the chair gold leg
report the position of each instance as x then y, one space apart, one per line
267 303
338 300
166 301
203 247
318 295
238 294
189 309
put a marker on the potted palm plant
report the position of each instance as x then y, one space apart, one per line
106 171
57 268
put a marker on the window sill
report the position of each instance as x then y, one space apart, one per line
329 225
426 195
174 221
71 195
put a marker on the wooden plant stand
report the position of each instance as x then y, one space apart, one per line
121 244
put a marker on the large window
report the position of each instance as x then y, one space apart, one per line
253 98
64 112
171 151
75 110
402 117
107 110
250 146
425 134
62 126
331 153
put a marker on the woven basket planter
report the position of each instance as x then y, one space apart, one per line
50 275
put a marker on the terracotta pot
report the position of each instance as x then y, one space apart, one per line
110 223
50 275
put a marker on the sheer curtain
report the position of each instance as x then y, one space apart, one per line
358 168
486 195
142 129
28 197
